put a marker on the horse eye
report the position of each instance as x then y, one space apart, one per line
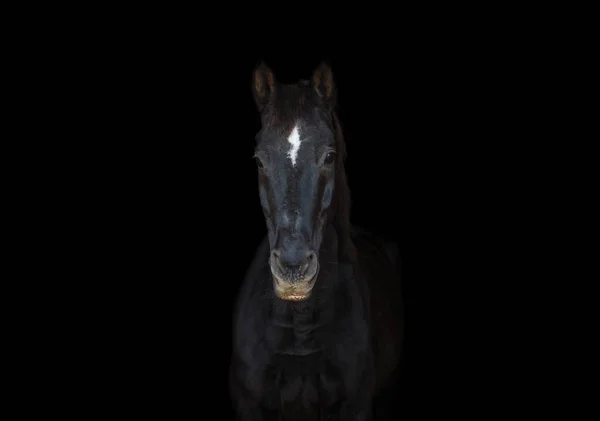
259 163
329 158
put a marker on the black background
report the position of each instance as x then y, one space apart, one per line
145 209
173 212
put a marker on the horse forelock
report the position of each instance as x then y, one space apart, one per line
289 105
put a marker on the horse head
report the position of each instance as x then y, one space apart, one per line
297 154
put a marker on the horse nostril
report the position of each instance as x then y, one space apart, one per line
303 268
277 257
309 260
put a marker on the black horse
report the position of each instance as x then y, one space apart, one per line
318 321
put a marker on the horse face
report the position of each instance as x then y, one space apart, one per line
296 158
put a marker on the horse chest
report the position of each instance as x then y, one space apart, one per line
296 340
303 371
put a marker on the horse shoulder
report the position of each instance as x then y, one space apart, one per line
250 355
350 352
380 260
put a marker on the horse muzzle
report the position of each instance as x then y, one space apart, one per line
294 282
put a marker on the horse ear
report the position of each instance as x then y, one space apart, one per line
322 81
263 85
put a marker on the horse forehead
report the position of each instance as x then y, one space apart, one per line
300 133
302 138
297 138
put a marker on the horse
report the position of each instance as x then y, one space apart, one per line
318 319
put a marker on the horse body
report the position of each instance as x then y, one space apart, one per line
315 332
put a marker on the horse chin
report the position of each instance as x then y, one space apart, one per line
297 291
294 297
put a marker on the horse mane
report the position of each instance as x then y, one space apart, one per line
342 199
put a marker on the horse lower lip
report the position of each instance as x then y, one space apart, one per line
296 297
295 289
291 292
